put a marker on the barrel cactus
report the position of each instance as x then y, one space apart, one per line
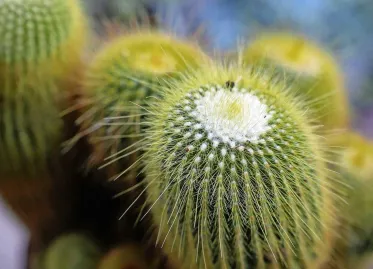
235 174
71 251
124 73
312 67
39 38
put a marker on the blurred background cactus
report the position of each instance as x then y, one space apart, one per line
123 74
48 51
318 78
42 43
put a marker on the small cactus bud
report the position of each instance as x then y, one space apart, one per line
71 251
317 74
235 174
120 78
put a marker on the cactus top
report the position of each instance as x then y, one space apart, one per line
34 31
142 55
314 69
235 171
294 52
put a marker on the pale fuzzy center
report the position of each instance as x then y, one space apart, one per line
233 115
155 62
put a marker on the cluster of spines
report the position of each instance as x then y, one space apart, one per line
224 196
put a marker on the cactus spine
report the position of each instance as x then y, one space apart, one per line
123 74
235 173
317 74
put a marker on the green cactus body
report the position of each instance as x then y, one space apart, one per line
120 78
72 251
319 79
40 38
29 130
235 174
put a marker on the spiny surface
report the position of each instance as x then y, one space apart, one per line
234 172
316 72
127 71
39 35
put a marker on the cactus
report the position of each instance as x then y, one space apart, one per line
71 251
129 256
40 38
235 173
29 130
356 160
118 80
41 43
319 79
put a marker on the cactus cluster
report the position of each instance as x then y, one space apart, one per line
123 74
235 174
233 168
316 72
